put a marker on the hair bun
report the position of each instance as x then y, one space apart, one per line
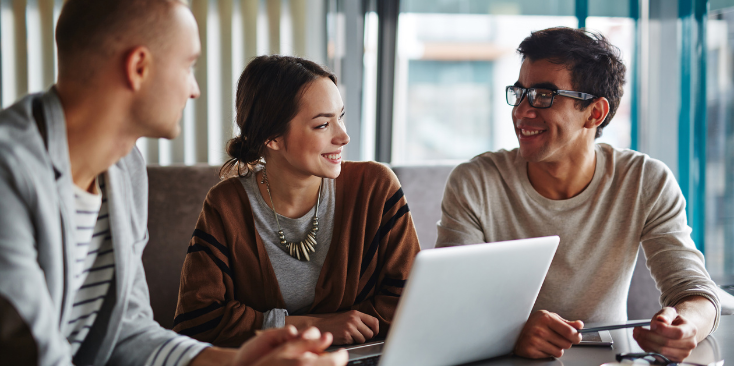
235 147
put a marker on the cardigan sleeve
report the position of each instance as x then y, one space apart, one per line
394 246
207 309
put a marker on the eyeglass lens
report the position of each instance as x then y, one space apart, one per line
538 98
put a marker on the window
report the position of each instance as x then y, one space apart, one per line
454 60
620 31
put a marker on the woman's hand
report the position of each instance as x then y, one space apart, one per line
347 328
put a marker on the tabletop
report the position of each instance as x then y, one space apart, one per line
717 346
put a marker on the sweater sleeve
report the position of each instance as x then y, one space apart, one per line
460 218
274 318
674 262
395 246
207 309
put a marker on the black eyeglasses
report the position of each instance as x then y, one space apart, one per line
657 359
541 98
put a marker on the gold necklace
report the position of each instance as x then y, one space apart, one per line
301 249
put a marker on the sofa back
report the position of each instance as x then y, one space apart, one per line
177 193
175 198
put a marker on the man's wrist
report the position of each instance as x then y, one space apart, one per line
702 311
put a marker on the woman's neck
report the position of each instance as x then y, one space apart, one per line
292 194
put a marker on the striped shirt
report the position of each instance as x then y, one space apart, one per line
93 272
94 262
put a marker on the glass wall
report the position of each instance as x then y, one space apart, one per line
720 143
453 61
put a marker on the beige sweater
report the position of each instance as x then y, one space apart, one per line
632 200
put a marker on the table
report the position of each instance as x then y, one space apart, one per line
717 346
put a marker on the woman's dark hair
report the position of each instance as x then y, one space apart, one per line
594 63
268 96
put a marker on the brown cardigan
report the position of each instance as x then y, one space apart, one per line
227 281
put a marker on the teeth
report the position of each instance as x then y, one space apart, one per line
530 132
333 156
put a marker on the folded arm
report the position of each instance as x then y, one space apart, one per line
388 258
206 307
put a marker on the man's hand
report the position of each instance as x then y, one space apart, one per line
276 347
670 334
306 350
347 327
264 343
675 332
546 334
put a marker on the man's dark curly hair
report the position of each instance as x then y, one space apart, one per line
595 64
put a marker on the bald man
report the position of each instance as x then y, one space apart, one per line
73 199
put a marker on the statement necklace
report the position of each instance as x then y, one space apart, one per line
301 249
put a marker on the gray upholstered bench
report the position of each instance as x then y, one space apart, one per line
177 194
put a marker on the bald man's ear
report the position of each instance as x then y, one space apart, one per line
598 111
137 67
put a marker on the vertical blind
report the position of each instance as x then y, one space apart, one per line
231 31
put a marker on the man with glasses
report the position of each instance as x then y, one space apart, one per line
603 202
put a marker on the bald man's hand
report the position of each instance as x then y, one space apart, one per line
264 343
306 350
283 346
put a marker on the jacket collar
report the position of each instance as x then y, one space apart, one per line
118 191
58 148
58 155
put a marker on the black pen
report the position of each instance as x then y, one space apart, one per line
598 326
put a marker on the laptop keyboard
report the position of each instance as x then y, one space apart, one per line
728 288
370 361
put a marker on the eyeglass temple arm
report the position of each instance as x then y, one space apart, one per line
575 94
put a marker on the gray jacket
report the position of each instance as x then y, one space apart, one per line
36 235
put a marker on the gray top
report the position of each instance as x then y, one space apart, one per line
632 200
296 279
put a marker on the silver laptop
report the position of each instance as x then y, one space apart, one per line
463 304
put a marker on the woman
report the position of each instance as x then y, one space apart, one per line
297 236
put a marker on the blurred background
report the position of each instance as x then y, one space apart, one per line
423 80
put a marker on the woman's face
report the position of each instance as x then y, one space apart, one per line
313 144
